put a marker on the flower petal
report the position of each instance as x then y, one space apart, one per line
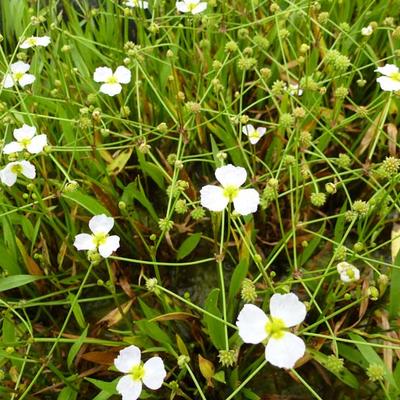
182 6
28 169
8 177
43 41
128 388
288 308
12 147
102 73
199 8
154 373
101 223
229 175
19 66
111 244
284 352
261 130
84 241
26 79
123 74
37 144
387 69
212 197
8 81
127 359
251 322
388 84
26 132
111 89
247 129
247 201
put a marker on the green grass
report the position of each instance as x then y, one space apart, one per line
143 156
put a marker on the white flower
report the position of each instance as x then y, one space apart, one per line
18 75
35 41
367 30
100 225
192 6
294 89
254 134
137 3
283 348
8 175
391 79
151 373
348 272
216 198
26 139
112 81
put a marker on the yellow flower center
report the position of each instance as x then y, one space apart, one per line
395 76
16 169
32 41
25 142
254 135
112 79
275 328
231 192
191 6
137 372
350 273
18 75
99 238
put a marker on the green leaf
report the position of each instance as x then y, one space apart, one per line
77 311
394 305
109 387
238 276
85 201
67 394
188 245
15 281
344 375
75 348
215 328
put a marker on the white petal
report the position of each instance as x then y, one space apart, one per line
101 223
8 81
43 41
26 44
102 73
19 66
288 308
182 6
28 169
212 197
199 8
107 248
251 323
128 388
13 147
247 129
84 241
123 74
388 84
26 79
154 373
388 69
261 131
8 177
26 132
254 140
127 359
111 88
37 144
246 202
284 352
230 175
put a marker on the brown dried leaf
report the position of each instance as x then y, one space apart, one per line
114 316
100 357
392 133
